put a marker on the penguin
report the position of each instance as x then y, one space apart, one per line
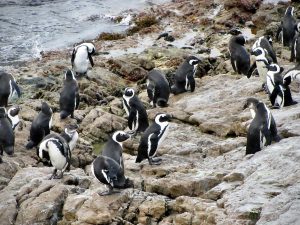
239 57
166 36
287 27
262 130
184 76
152 138
8 88
56 150
81 56
7 137
158 88
261 61
137 115
69 96
40 126
295 49
13 116
109 167
265 42
70 134
279 93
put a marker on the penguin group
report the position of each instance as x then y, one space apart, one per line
55 149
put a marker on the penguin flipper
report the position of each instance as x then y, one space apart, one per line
233 64
292 59
279 30
91 59
16 87
154 144
251 70
274 94
192 82
73 57
150 88
77 100
131 117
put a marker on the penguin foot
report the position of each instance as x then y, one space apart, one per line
55 176
153 161
30 145
108 192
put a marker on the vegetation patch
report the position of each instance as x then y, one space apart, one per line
141 23
110 36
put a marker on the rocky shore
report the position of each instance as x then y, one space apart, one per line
205 177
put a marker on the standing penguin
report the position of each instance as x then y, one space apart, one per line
8 88
261 63
239 57
40 126
81 56
184 77
70 134
295 50
152 138
287 27
13 116
109 167
262 130
55 149
265 42
69 96
137 115
279 93
7 137
158 88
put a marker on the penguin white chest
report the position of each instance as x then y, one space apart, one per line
57 159
81 62
262 70
72 143
270 83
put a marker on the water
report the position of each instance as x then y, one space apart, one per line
31 26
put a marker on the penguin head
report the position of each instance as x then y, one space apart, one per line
71 129
192 60
128 93
13 111
120 136
274 68
163 117
235 31
260 54
3 113
69 75
251 103
46 109
290 11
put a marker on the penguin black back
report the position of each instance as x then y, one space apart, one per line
7 137
287 28
8 87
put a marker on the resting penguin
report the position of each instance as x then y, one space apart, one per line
55 149
295 50
262 130
70 134
184 76
109 167
69 96
137 115
13 117
239 57
158 88
287 27
279 93
291 75
40 126
152 138
7 137
8 88
265 42
81 56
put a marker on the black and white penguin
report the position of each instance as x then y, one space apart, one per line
69 96
184 77
13 116
262 130
152 138
7 137
8 88
158 88
265 42
40 126
287 28
70 134
239 57
167 37
109 167
261 62
56 150
81 57
137 115
291 75
279 93
295 50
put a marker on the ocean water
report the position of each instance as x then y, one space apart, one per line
28 27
